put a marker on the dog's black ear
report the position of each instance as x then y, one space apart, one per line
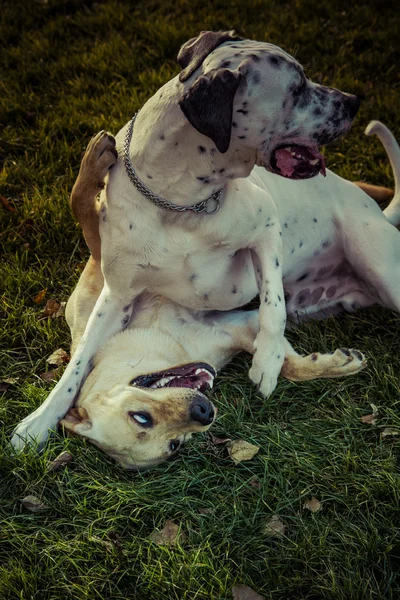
193 53
208 105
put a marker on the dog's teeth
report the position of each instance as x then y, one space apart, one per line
313 162
211 383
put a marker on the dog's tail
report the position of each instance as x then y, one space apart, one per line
392 212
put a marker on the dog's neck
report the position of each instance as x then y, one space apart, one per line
174 160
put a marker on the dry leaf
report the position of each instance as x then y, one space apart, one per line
33 504
62 459
97 540
51 375
6 382
5 203
115 540
54 309
206 511
239 450
40 296
314 505
389 432
255 483
244 592
218 441
371 418
59 357
275 527
170 535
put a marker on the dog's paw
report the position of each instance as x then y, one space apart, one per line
99 157
33 430
345 361
265 378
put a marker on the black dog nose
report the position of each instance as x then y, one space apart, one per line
353 104
202 411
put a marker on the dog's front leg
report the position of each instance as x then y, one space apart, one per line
109 316
269 352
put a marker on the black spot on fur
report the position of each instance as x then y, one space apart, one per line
302 277
300 244
241 137
162 137
205 297
317 112
100 314
225 64
242 111
202 150
315 220
234 124
255 57
275 61
221 170
70 390
126 308
276 262
149 176
193 276
130 225
234 289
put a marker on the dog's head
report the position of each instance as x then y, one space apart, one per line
145 421
255 94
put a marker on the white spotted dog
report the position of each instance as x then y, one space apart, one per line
144 396
238 129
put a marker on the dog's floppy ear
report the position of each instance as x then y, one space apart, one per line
76 421
193 53
208 105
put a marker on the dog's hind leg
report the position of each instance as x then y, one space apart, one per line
99 157
242 327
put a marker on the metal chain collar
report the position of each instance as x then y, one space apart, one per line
210 205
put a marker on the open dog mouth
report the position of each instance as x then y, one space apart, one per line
297 162
196 376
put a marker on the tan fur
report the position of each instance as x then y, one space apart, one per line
381 195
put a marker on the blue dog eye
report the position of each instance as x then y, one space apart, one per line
143 419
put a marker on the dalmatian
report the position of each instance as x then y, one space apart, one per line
220 194
146 394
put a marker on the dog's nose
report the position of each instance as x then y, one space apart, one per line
353 104
202 411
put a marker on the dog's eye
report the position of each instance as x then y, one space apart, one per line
174 445
144 419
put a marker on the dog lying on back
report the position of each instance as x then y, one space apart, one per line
237 130
145 395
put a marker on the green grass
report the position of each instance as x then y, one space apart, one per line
68 70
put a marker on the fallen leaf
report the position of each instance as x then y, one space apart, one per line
244 592
371 418
275 527
115 540
389 432
33 504
314 505
170 535
62 459
239 450
40 296
205 511
255 483
51 375
59 357
97 540
6 382
54 309
217 441
7 205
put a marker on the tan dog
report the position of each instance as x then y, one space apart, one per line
145 394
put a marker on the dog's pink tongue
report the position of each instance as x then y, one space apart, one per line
285 162
291 158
